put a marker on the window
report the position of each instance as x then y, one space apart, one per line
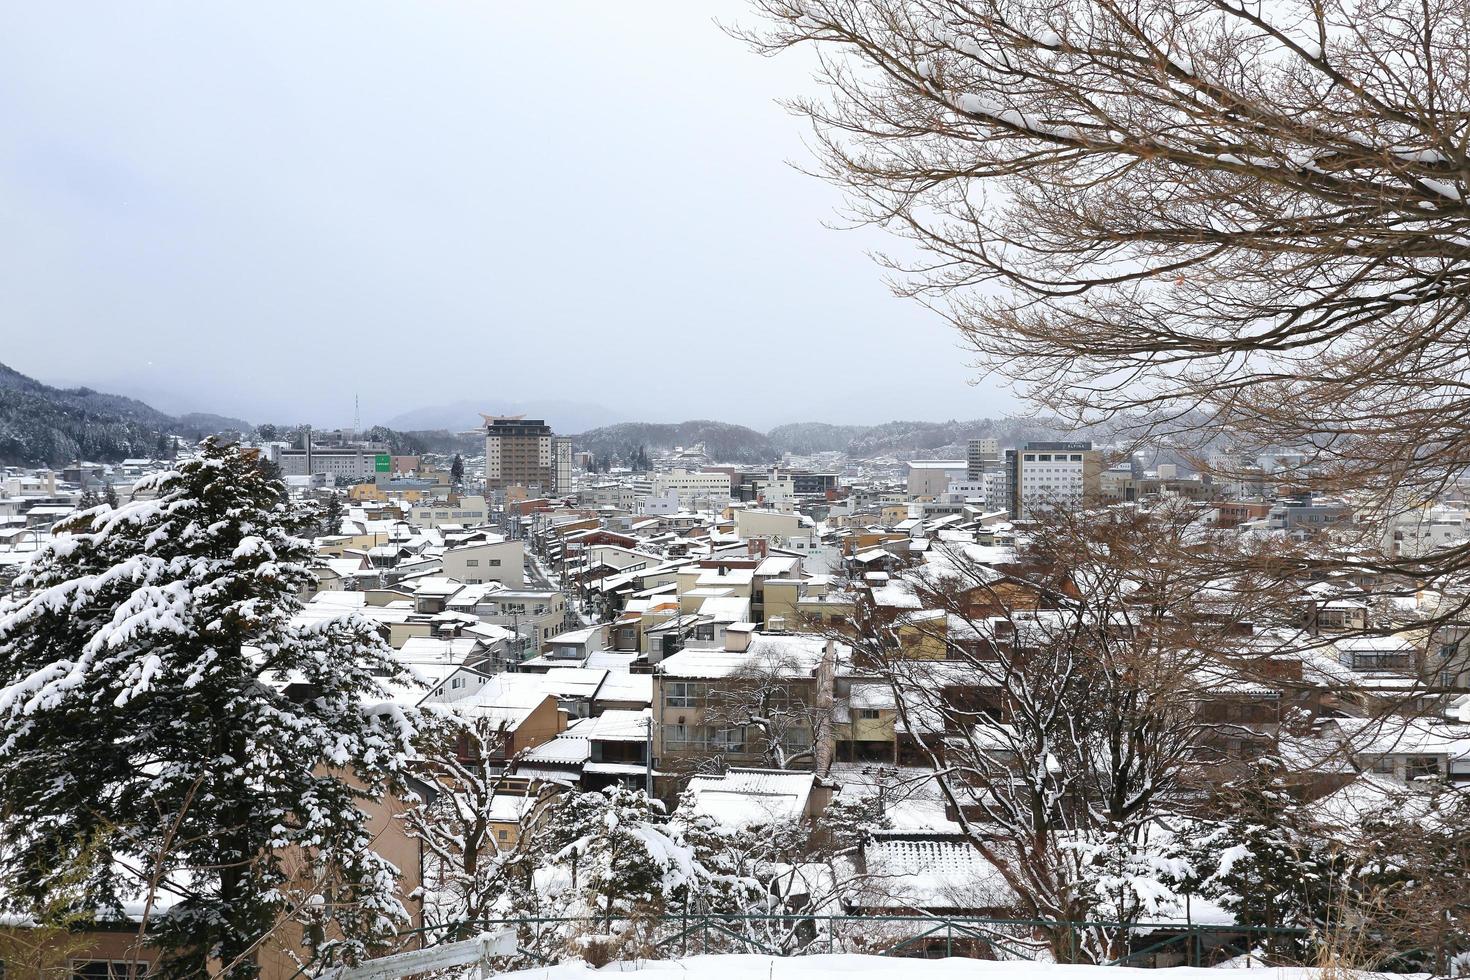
1384 765
494 563
472 563
106 969
681 694
730 740
1380 661
456 683
1421 767
868 714
502 835
685 737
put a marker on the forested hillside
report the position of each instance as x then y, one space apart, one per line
42 425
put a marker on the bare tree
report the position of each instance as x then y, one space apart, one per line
777 706
1064 722
1185 217
465 866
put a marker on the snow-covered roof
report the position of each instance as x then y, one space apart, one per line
935 872
793 655
752 797
726 609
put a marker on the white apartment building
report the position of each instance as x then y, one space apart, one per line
931 477
466 510
1424 530
561 453
661 505
694 488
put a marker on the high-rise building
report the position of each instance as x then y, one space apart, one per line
982 456
520 452
561 452
1052 474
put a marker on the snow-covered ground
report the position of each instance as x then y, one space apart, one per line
852 966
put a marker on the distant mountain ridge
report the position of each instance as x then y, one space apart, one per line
729 443
723 441
41 425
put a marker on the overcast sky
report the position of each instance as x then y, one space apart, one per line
263 209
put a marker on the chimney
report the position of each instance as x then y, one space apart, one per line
737 637
823 737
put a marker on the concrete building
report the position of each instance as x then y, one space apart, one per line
931 477
491 561
561 455
982 456
694 488
1053 474
522 452
458 510
342 464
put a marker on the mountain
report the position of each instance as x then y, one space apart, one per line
723 442
737 444
804 438
43 425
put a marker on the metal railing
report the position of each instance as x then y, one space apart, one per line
550 939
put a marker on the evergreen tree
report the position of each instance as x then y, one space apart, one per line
607 855
456 470
109 495
159 709
332 515
1264 861
160 447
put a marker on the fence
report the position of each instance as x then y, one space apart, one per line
546 940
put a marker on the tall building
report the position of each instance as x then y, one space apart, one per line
1052 474
561 453
982 456
521 452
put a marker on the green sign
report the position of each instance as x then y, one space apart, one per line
382 463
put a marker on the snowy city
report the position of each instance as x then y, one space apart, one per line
787 489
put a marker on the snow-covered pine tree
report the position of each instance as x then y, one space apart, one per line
158 705
620 858
332 514
740 860
1265 862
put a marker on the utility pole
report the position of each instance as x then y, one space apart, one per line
648 755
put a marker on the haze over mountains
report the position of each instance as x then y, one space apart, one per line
45 424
